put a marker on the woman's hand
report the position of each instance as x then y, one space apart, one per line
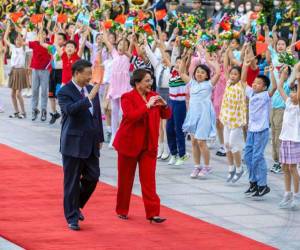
151 102
160 101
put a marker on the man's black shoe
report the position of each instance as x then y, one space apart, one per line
74 226
35 114
252 189
81 217
44 115
54 117
260 192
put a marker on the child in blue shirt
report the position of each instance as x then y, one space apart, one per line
258 131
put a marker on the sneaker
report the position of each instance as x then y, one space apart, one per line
54 117
274 167
35 114
278 169
29 93
15 115
44 115
251 190
172 160
260 192
230 175
22 115
286 201
205 171
237 176
295 204
196 172
165 156
110 145
180 161
221 152
108 136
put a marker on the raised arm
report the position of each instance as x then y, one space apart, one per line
226 64
273 83
246 64
8 28
154 61
212 61
175 51
105 39
283 79
294 37
182 69
274 35
82 45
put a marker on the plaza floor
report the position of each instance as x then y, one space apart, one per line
211 200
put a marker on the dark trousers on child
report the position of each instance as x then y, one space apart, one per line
175 135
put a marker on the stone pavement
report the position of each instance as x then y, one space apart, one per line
211 200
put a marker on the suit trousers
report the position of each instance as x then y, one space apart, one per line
80 180
126 172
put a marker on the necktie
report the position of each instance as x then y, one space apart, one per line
161 75
82 93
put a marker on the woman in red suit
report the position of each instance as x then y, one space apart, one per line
137 141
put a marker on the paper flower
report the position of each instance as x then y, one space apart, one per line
208 24
250 38
261 20
226 35
213 47
287 58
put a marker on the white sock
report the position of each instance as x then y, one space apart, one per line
231 168
239 169
222 146
296 195
108 129
197 166
287 193
206 166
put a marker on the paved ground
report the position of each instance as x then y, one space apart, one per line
211 200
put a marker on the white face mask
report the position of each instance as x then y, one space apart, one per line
241 9
248 7
276 3
217 7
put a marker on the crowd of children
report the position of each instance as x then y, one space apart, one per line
228 77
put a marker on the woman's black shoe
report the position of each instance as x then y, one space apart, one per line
123 217
157 219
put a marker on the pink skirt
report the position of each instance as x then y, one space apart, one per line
289 152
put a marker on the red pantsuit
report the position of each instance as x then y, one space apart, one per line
136 142
126 167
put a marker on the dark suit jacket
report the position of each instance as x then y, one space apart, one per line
81 132
137 123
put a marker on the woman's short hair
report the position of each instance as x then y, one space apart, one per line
138 75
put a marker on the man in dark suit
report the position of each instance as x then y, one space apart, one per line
81 140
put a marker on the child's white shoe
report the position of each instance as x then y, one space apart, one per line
295 204
286 201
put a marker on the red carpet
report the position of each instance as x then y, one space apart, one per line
31 216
